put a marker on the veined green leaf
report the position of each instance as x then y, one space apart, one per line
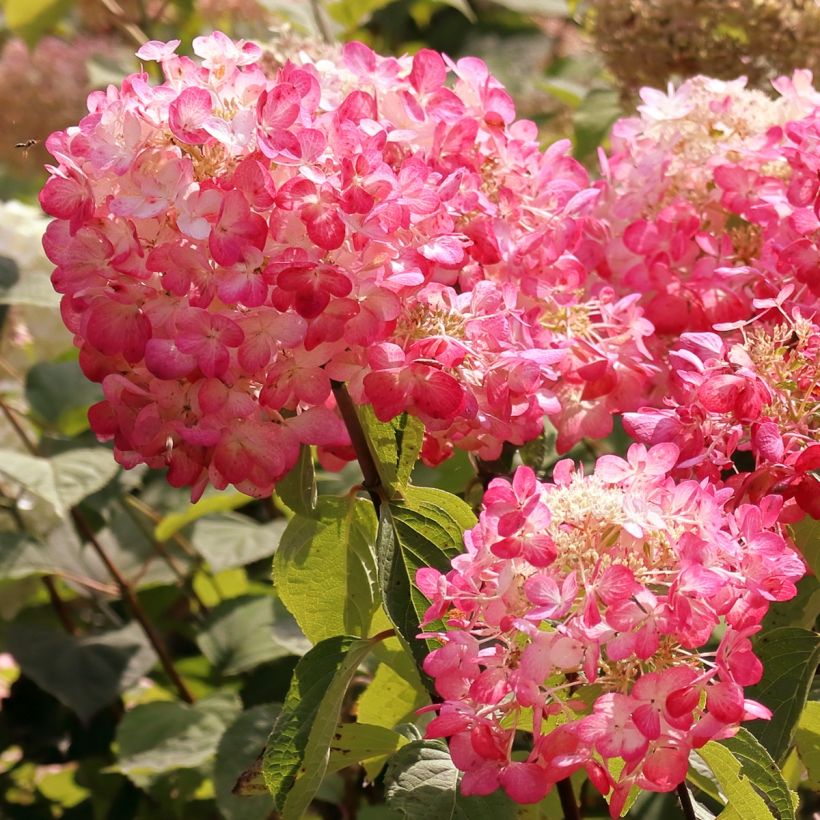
743 802
758 766
325 568
394 445
396 691
360 742
422 783
297 490
300 740
425 529
172 523
790 656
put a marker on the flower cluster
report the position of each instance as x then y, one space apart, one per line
703 201
228 243
585 612
760 395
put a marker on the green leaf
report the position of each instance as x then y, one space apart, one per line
425 529
762 771
302 734
243 632
396 691
463 6
803 610
85 673
806 535
238 748
297 490
807 738
233 540
353 13
325 571
63 480
742 800
22 555
219 502
394 445
593 119
30 18
59 395
360 742
422 783
162 736
789 656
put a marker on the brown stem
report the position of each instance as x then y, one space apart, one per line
134 605
159 547
567 797
59 605
372 480
686 804
21 433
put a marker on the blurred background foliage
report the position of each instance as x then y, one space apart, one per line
143 651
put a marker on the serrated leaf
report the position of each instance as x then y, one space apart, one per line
300 739
742 800
63 480
230 540
238 748
325 569
422 783
297 490
762 771
395 446
359 742
243 632
219 502
85 673
807 738
154 738
790 656
425 529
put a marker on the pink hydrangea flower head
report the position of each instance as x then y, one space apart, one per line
597 646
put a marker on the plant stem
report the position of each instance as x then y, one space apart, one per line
59 605
686 802
372 480
567 797
321 23
134 605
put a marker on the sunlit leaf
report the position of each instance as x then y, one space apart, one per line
301 736
325 569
